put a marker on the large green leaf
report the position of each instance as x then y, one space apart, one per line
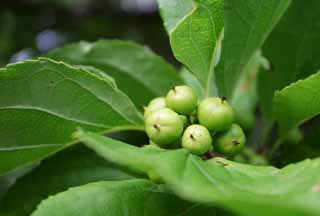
293 49
139 73
247 25
73 167
42 102
243 189
195 29
118 198
297 102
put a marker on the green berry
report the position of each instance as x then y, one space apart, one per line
185 121
215 114
230 142
246 119
197 139
294 136
182 99
154 177
163 126
258 160
155 104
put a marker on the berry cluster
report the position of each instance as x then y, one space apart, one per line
180 120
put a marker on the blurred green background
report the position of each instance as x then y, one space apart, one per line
29 28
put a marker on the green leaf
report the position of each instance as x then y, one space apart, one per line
297 103
293 48
243 189
139 73
73 167
195 34
130 197
172 12
245 98
247 25
42 102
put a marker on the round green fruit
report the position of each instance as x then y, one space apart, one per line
185 121
155 104
163 126
230 142
215 114
258 160
294 136
246 119
182 99
154 177
197 139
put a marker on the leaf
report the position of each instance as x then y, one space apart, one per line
73 167
172 12
242 189
42 102
139 73
195 35
293 48
245 98
297 103
129 197
247 25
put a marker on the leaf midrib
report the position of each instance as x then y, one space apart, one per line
41 109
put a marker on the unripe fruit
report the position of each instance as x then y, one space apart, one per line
185 121
294 136
197 139
155 104
215 114
246 119
153 176
163 126
230 142
182 99
258 160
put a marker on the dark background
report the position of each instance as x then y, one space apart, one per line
31 27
